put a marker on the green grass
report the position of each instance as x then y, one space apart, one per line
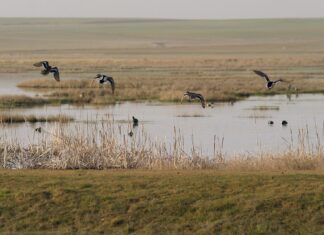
161 202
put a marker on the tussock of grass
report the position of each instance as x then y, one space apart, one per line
12 101
16 118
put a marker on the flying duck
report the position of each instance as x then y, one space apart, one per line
192 96
103 79
48 69
270 83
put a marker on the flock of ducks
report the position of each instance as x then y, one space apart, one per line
104 79
47 69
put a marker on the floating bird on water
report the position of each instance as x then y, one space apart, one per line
211 105
192 96
131 134
270 123
48 69
38 129
103 79
135 122
270 83
284 123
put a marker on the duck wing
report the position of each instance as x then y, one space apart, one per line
202 100
262 74
42 63
279 80
56 73
112 83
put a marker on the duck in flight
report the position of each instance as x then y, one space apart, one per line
48 69
193 96
103 79
270 84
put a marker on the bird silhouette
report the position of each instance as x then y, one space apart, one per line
135 122
269 84
38 129
192 96
104 79
48 69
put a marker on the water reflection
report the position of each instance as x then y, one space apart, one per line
243 127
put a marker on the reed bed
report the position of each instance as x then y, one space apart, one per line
106 145
16 118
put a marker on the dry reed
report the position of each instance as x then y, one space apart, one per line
106 145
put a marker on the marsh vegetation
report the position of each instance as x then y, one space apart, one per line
10 118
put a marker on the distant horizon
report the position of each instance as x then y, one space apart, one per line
152 18
163 9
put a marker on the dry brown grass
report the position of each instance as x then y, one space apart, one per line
12 101
215 58
105 146
218 78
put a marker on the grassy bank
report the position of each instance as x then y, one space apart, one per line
161 202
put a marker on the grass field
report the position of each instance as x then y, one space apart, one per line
161 202
160 59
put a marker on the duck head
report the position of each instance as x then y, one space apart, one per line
97 76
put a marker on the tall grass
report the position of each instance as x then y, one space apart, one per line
106 145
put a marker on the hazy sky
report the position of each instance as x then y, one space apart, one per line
211 9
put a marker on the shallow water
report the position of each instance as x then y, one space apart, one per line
243 125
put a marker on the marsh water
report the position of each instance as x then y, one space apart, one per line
237 128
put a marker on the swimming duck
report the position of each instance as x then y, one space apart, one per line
135 122
38 129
